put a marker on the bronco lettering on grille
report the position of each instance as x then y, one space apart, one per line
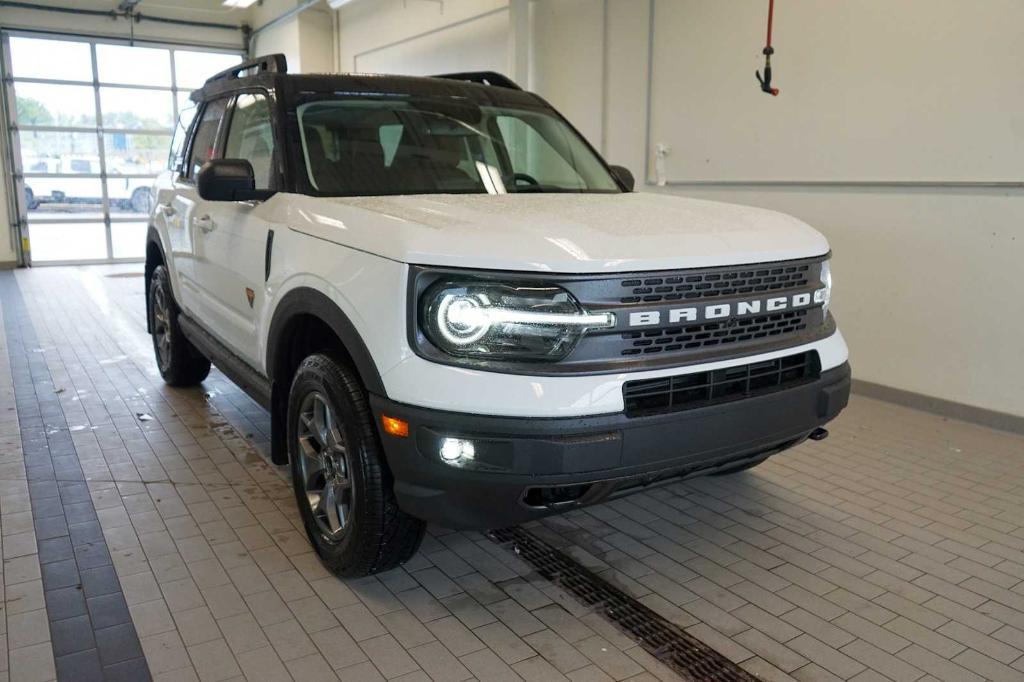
719 311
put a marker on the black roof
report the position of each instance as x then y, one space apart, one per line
271 71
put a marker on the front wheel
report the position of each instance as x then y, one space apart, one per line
179 362
343 488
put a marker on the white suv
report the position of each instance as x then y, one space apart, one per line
456 312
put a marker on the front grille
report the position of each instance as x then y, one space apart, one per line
714 333
668 318
700 389
714 284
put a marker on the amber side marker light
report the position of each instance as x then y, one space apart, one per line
396 427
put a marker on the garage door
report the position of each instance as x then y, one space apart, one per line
91 126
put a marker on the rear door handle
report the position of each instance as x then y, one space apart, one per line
206 224
167 210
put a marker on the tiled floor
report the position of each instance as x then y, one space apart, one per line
895 549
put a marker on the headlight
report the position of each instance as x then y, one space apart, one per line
824 294
505 320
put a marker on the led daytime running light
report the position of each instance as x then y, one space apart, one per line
474 317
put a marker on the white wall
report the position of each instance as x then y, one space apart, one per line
481 41
282 38
568 68
371 33
316 41
864 96
306 39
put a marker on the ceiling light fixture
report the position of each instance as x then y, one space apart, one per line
241 4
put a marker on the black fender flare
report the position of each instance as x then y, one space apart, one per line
307 301
152 237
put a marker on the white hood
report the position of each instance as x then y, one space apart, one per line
569 233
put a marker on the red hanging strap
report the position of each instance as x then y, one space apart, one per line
768 51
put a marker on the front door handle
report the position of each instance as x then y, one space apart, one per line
206 224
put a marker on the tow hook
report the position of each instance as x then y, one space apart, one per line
819 434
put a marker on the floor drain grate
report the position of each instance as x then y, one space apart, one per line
664 640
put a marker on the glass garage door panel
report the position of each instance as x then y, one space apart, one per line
57 198
133 65
128 239
136 154
193 68
137 109
130 197
91 146
53 59
59 152
45 104
52 241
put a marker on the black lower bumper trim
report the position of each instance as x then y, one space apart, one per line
525 468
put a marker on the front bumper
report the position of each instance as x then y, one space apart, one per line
538 467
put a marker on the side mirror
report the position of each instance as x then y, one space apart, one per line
624 177
229 180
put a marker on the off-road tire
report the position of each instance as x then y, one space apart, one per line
179 362
378 536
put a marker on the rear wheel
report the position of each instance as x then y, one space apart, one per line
179 362
342 486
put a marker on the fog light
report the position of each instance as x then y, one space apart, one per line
456 451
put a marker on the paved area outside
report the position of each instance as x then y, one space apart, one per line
892 550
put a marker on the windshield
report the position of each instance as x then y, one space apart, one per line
434 146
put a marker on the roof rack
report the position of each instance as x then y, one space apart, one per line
482 77
271 63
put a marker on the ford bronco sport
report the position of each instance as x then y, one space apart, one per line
457 312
